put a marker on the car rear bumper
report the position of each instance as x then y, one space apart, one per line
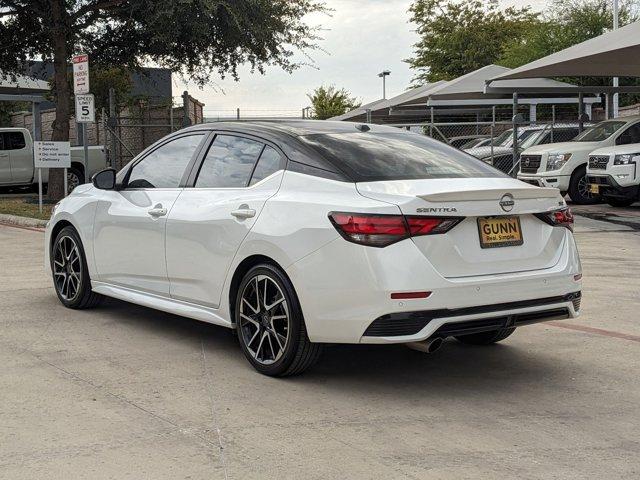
417 326
351 286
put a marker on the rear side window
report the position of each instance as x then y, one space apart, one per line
269 162
229 162
14 141
396 156
165 166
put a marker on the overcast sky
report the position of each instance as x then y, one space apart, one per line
361 38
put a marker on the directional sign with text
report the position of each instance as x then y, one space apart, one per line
85 108
80 74
52 154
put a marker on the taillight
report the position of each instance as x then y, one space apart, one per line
376 230
558 218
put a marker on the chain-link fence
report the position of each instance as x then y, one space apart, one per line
131 128
500 140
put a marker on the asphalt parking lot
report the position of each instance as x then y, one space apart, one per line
125 392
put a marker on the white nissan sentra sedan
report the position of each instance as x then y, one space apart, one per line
302 233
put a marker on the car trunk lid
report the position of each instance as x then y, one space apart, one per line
459 253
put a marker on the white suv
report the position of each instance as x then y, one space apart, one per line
564 165
613 174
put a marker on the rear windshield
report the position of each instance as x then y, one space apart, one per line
368 157
600 132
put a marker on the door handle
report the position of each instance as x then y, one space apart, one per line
244 213
157 211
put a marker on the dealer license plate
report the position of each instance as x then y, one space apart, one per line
594 188
499 232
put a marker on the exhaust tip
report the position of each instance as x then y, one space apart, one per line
430 345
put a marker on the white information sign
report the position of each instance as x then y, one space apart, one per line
80 74
85 108
51 154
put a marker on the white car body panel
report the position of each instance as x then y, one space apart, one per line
184 262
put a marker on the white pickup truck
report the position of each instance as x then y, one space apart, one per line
16 161
564 165
613 174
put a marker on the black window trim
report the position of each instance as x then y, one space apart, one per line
206 133
195 170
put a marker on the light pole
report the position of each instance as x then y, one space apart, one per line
615 79
383 74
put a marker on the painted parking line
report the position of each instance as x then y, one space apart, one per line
596 331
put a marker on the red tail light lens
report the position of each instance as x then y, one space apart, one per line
558 218
377 230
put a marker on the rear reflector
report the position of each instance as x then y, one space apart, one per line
408 295
378 230
558 218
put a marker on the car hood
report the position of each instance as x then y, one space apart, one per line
562 147
484 152
617 149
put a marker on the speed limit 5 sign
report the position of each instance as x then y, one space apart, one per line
85 108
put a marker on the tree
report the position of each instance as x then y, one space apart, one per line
197 38
328 102
457 37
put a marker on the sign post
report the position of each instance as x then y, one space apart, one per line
51 155
85 102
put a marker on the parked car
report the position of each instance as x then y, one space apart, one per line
302 233
458 142
564 165
16 161
501 156
476 142
613 173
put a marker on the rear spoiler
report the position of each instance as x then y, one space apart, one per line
492 194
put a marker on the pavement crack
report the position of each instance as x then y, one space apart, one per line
214 416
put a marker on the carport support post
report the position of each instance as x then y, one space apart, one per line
580 112
37 136
112 122
515 130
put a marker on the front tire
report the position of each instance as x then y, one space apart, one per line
486 338
69 269
579 188
270 325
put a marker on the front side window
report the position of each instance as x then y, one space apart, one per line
630 135
229 162
396 156
600 132
165 166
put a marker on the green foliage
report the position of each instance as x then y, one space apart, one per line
457 37
194 37
328 102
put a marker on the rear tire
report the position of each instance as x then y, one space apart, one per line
620 202
270 325
486 338
70 274
579 188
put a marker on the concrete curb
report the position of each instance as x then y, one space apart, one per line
22 221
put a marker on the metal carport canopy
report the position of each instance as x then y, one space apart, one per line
613 54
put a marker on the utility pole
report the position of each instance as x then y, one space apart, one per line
615 79
383 74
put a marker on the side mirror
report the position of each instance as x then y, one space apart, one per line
105 179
